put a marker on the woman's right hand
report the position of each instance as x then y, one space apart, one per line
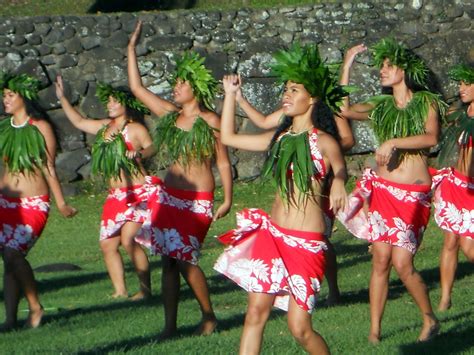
135 34
59 87
231 83
352 53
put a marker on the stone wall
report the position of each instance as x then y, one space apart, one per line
87 49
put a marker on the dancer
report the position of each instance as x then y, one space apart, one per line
187 140
454 194
346 140
122 140
398 192
28 150
280 260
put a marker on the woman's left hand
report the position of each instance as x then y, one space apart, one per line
221 211
337 197
67 211
384 153
133 154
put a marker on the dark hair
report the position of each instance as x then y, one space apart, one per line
130 112
322 118
34 109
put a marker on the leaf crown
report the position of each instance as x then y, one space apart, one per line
402 57
462 72
303 65
190 67
122 95
23 84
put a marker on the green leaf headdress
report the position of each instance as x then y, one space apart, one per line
303 65
190 68
23 84
462 72
402 57
126 98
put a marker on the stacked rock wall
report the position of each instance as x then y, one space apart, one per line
87 49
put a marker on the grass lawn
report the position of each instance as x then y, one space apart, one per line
82 319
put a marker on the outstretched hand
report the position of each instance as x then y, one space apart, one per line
231 83
221 211
135 34
67 211
59 87
352 53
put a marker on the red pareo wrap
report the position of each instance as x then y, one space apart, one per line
264 257
178 221
21 221
397 213
454 202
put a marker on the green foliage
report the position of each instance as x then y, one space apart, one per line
190 67
303 65
462 72
126 98
402 57
23 149
22 84
177 145
108 157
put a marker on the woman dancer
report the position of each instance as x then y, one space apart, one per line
28 150
186 138
280 260
454 195
346 140
398 192
121 141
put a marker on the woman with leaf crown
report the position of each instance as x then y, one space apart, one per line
280 259
28 150
454 186
122 140
187 140
344 130
398 192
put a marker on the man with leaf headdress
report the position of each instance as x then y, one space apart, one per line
187 140
454 186
398 191
28 150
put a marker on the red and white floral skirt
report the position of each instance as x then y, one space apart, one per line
126 204
21 221
454 202
178 221
397 213
264 257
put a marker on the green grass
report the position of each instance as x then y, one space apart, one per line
82 319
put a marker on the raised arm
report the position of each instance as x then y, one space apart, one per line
156 104
345 132
79 121
356 111
50 170
257 142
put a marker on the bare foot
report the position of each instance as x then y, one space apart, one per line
7 327
118 295
206 327
34 318
429 331
444 306
333 300
167 334
140 296
373 339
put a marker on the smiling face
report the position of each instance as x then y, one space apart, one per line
183 92
12 101
115 108
296 99
466 92
390 74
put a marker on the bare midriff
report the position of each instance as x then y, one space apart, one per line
23 185
129 180
194 177
465 163
413 170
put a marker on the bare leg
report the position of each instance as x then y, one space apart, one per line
170 289
467 247
331 275
197 281
114 265
447 268
403 263
258 310
138 257
378 289
299 323
20 271
11 294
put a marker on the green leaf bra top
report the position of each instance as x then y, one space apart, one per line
108 156
177 145
22 148
460 132
295 158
